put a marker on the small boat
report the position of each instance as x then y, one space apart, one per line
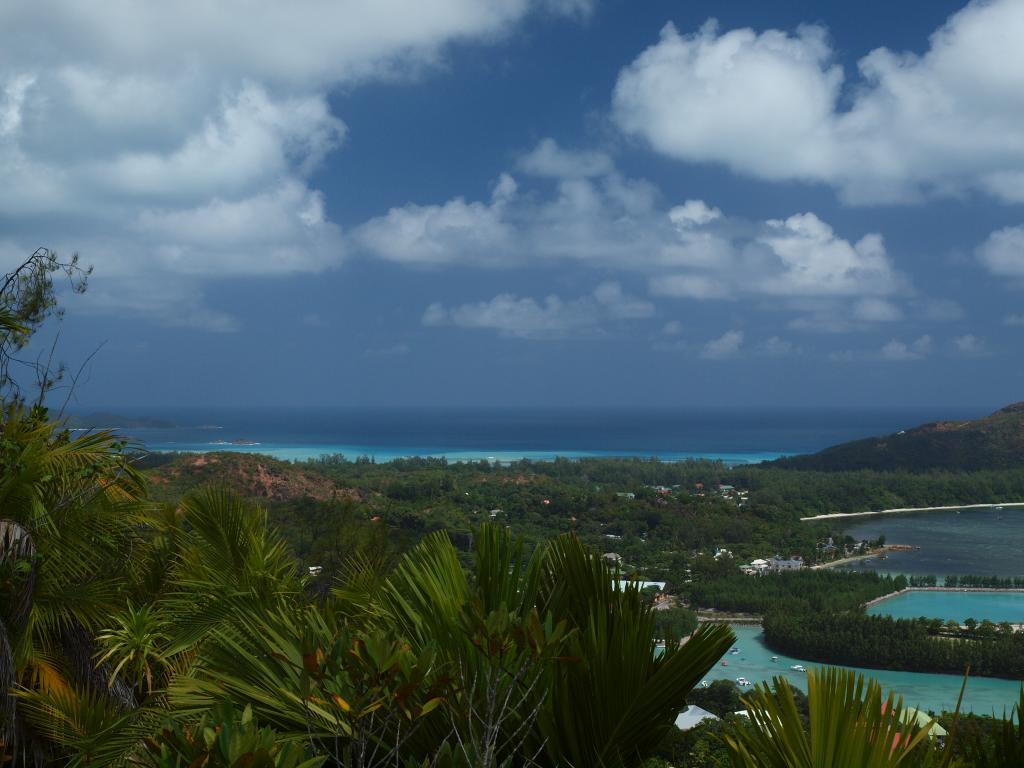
798 668
734 651
742 681
705 684
725 663
775 658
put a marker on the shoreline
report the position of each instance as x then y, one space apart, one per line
883 598
905 510
882 550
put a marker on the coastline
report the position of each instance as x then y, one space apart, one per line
899 592
903 510
885 548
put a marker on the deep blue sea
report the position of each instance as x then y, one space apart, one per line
737 435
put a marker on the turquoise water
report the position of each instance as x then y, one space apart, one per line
994 606
974 541
735 435
291 452
984 695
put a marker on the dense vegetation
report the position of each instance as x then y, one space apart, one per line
805 593
993 442
984 582
166 621
914 645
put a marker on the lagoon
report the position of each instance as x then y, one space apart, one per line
984 695
956 606
976 541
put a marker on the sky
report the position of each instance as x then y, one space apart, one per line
524 202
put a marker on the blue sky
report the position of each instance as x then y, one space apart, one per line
526 202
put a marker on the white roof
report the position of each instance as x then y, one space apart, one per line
693 716
643 584
759 561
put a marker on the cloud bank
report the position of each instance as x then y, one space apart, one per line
777 106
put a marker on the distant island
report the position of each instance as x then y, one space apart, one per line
104 420
993 442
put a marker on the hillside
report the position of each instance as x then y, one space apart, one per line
249 475
993 442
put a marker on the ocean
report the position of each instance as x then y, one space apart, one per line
737 435
972 541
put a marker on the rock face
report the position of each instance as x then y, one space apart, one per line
249 475
993 442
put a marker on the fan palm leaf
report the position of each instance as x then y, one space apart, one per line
851 724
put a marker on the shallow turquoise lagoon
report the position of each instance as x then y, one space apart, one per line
304 452
994 606
984 695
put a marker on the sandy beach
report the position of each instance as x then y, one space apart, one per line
900 510
866 556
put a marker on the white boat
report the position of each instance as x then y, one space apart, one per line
705 684
775 658
734 651
798 668
741 681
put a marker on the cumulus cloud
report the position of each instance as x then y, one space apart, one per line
179 141
596 217
899 351
549 159
724 347
773 104
551 317
442 234
1002 253
970 345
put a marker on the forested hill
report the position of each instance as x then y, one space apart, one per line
992 442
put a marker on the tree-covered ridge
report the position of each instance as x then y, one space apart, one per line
992 442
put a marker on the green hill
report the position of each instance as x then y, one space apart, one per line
993 442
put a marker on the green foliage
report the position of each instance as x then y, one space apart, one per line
883 642
850 725
224 738
674 623
802 593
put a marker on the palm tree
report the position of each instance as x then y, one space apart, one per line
543 658
69 505
850 725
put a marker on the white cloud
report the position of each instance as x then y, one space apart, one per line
876 310
1013 320
772 105
302 44
899 351
549 159
1003 252
549 318
970 345
724 347
693 213
691 250
441 234
174 141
